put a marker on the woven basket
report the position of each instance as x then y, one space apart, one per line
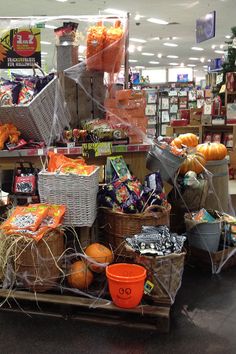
78 193
36 263
35 120
117 226
165 272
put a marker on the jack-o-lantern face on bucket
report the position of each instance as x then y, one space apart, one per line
124 293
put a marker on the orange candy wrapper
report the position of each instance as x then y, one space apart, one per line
36 235
95 44
61 163
54 217
113 48
26 217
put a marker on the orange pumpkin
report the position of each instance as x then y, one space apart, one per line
194 162
99 254
212 151
188 139
80 277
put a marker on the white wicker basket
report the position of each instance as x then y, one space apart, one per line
41 119
78 193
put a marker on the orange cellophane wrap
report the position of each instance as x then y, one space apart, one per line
113 48
95 44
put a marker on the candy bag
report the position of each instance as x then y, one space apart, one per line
54 217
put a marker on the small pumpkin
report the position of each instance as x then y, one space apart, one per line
100 254
188 139
212 151
80 276
193 162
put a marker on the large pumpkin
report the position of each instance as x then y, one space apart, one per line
100 254
212 151
188 139
194 162
80 276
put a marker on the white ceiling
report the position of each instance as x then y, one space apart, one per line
184 12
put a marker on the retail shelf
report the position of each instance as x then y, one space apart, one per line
71 150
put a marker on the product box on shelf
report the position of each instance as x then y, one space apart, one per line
195 116
231 82
206 119
218 120
231 113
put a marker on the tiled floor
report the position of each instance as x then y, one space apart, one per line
203 321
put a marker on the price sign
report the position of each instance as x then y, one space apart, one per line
20 48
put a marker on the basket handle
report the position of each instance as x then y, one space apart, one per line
152 210
36 66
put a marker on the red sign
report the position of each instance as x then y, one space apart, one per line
24 43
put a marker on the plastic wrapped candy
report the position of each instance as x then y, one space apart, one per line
157 241
95 44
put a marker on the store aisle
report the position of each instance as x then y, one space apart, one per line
203 321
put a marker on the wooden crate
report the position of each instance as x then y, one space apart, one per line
98 311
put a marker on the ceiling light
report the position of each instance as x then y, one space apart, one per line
157 20
228 36
209 60
154 62
137 17
61 0
148 54
45 42
50 26
182 65
172 56
115 11
219 51
137 40
174 38
222 46
213 46
202 60
191 65
159 55
140 67
197 48
169 44
174 64
133 60
194 59
205 66
44 53
156 38
82 48
131 48
139 48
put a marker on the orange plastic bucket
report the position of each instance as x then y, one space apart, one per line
126 283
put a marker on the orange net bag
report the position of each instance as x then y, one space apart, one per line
95 44
113 48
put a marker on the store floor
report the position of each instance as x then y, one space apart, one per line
203 321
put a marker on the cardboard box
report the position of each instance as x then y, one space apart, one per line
206 119
195 116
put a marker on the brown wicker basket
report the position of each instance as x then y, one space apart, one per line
37 265
165 272
116 226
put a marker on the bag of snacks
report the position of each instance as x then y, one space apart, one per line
95 44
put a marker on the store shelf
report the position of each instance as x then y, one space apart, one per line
71 151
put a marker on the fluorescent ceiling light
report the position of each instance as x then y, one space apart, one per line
157 20
115 11
148 54
202 60
191 65
156 38
228 36
174 64
137 40
45 42
222 46
209 60
169 44
213 46
159 55
44 53
197 48
133 60
219 51
154 62
182 65
82 48
138 17
140 67
172 56
193 58
139 48
132 48
62 0
50 26
205 66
